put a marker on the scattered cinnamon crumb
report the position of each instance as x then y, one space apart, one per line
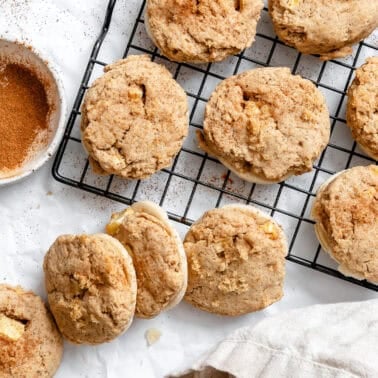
230 180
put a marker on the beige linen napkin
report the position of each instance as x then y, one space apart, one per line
338 340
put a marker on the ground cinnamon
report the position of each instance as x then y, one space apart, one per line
23 114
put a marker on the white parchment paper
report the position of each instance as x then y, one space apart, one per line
34 212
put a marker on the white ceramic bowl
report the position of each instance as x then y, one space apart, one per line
16 52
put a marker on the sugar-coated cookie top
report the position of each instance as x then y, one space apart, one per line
347 211
91 287
325 27
236 261
266 123
134 118
157 255
362 108
202 30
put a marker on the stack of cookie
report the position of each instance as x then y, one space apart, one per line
232 262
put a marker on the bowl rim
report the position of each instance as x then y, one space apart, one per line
60 129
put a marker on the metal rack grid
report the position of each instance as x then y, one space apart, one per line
196 182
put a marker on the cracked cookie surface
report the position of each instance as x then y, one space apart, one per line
134 119
346 213
236 261
30 343
328 28
91 286
158 256
266 125
202 30
362 107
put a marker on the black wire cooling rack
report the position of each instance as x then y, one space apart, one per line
196 182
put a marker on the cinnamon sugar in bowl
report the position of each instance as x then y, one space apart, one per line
32 110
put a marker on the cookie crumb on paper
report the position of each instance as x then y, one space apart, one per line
152 336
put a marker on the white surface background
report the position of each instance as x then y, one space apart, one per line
33 213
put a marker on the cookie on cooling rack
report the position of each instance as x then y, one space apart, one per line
266 125
134 119
202 30
30 344
236 261
91 286
158 255
327 28
362 107
346 213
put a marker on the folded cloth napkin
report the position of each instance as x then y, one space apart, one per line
338 340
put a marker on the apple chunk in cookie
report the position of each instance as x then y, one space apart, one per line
30 343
